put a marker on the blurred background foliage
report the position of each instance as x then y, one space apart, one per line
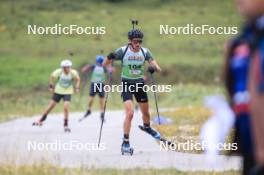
191 63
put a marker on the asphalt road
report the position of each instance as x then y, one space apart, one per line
21 143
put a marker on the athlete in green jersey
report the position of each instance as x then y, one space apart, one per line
133 57
63 83
98 79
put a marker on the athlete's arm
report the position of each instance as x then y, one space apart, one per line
107 62
77 85
111 56
53 79
77 82
86 68
154 63
52 83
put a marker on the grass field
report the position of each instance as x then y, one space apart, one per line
189 61
47 169
26 103
186 126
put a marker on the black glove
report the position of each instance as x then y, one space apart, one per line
111 56
51 86
151 69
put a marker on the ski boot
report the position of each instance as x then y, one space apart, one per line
102 117
155 134
150 131
40 121
88 112
126 149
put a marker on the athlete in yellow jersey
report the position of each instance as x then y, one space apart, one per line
63 83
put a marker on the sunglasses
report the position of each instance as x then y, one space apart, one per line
137 41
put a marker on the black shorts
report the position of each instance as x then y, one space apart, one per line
129 89
58 97
97 88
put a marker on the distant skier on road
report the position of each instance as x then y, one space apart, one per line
98 79
63 83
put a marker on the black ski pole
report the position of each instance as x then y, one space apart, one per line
102 119
155 95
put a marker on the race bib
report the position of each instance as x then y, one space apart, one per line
135 72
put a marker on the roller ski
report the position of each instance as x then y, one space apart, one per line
67 130
66 127
126 149
85 115
40 121
155 134
37 123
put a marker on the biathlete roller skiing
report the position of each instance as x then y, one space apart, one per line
63 83
98 79
133 57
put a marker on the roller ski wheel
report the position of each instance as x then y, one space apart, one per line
130 151
126 149
67 129
37 124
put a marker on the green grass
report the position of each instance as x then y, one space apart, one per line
27 103
185 126
51 170
28 60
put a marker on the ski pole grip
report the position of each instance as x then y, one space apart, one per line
111 56
151 69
